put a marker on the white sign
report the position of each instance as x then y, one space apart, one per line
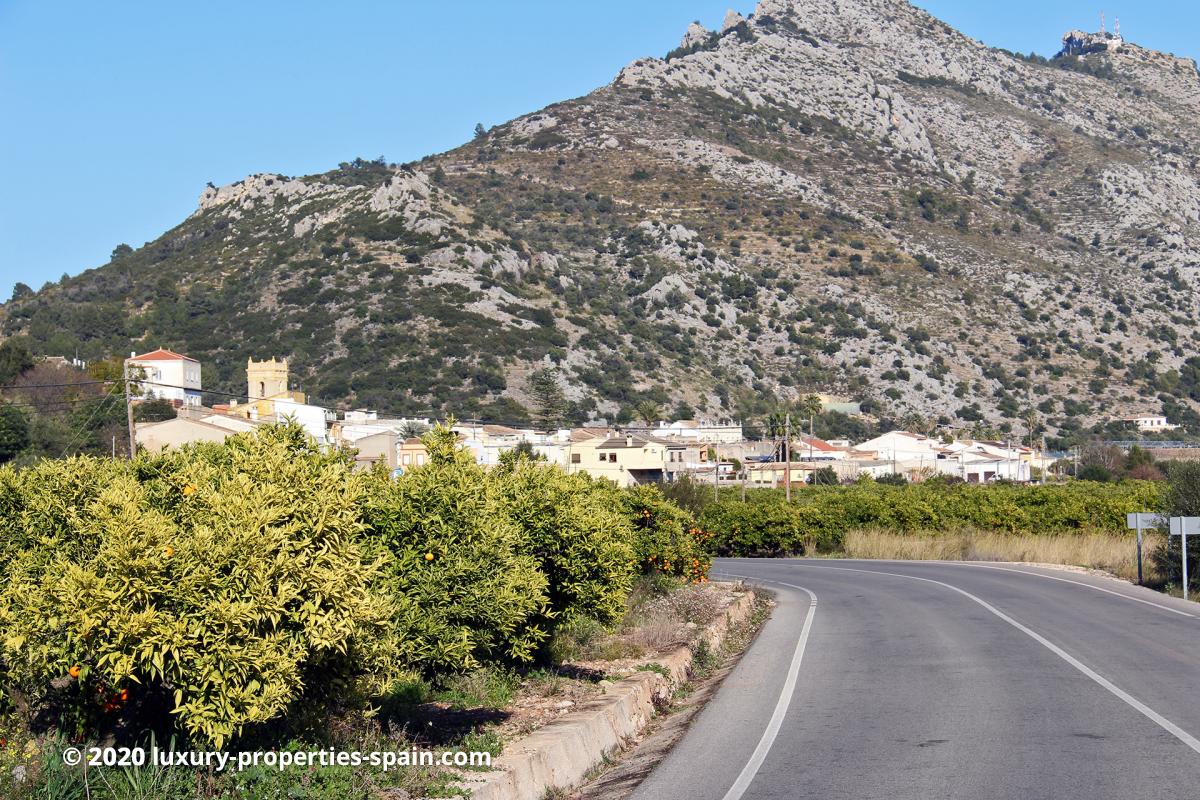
1185 526
1144 521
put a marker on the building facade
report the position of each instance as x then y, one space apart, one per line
164 375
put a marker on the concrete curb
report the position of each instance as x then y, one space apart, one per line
561 754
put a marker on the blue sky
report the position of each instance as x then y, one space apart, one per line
113 116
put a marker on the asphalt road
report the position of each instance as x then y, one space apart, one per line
948 680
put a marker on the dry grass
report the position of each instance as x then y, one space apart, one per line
1111 552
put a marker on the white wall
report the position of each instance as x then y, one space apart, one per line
311 418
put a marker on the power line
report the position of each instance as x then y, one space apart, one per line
84 428
16 387
64 403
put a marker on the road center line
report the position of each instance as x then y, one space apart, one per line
1145 710
781 706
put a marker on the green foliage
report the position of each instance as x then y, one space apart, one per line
825 476
465 591
15 358
14 432
548 398
154 411
1095 472
224 577
485 687
575 529
769 529
689 494
820 515
1182 500
667 539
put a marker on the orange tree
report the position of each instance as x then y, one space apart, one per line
667 539
221 583
574 527
464 590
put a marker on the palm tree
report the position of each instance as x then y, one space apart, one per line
649 411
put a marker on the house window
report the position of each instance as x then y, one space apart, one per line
406 459
576 458
603 457
612 458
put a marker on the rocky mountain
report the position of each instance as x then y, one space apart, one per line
830 195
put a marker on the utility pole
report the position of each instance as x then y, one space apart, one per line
716 472
129 413
810 438
787 453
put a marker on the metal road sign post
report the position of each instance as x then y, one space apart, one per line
1143 522
1181 527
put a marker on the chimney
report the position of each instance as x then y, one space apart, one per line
629 440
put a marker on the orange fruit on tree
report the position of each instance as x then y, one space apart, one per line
429 556
74 671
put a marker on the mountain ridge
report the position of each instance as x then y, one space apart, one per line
836 195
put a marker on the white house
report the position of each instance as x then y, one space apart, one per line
690 430
313 419
162 374
900 446
1150 423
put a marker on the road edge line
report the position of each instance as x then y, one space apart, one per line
1114 593
744 778
1137 705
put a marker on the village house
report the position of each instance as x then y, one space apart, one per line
371 447
191 426
693 431
413 453
164 375
628 459
1150 423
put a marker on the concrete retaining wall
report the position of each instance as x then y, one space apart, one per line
563 752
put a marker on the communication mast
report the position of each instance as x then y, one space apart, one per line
1101 23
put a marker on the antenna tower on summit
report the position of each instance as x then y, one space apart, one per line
1117 25
1102 23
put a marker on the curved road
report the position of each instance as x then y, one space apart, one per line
884 679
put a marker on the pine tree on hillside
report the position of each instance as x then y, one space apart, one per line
548 397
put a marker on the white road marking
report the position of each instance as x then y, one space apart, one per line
781 706
1068 580
1145 710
